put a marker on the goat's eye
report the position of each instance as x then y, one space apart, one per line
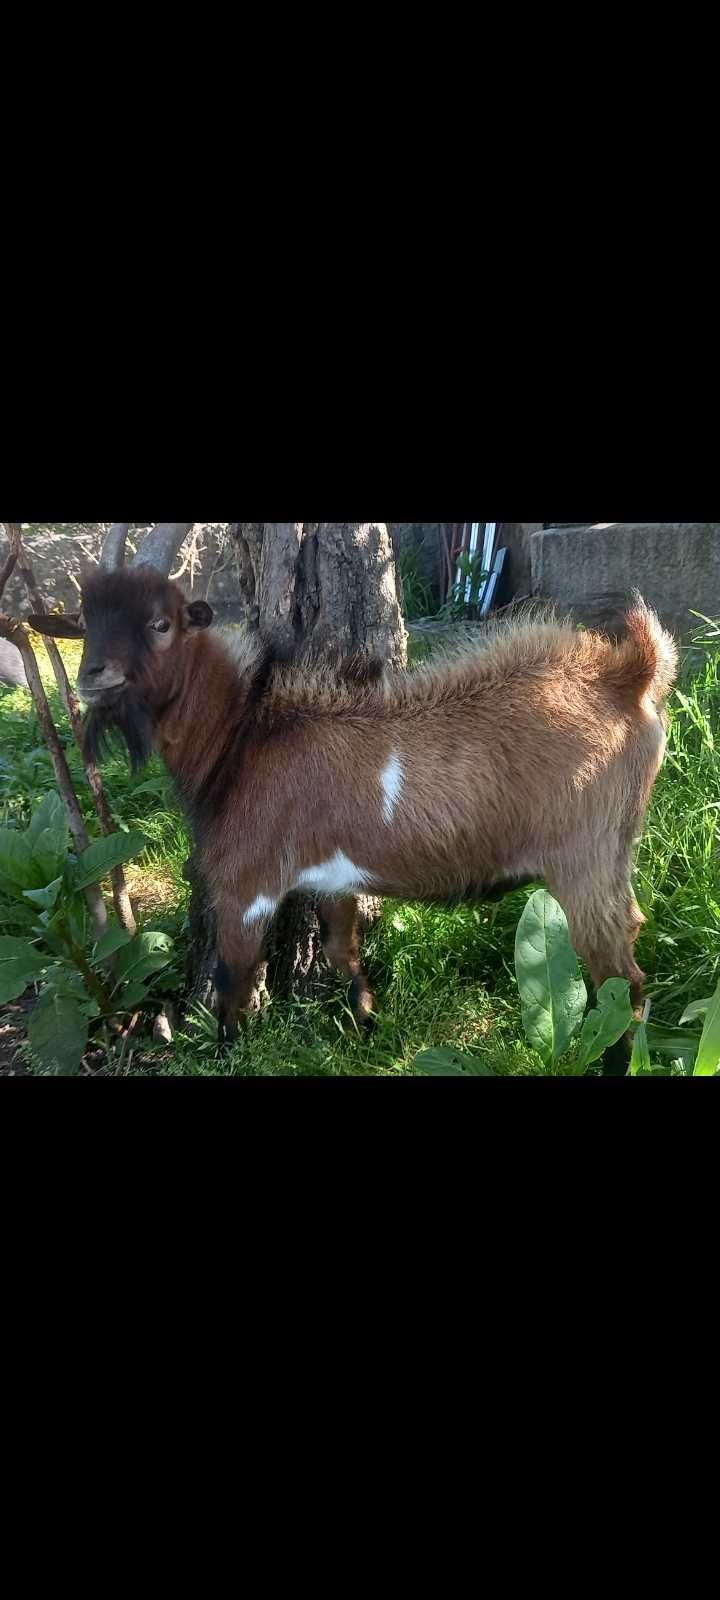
161 626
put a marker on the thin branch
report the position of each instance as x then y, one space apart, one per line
71 703
7 571
15 633
189 559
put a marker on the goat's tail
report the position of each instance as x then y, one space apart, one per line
646 659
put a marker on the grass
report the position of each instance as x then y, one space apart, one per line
441 977
678 868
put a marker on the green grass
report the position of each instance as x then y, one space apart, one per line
678 868
441 977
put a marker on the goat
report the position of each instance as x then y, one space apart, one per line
530 757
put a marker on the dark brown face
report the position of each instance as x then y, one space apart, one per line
134 623
130 621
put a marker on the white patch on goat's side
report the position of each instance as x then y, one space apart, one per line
339 875
391 779
260 908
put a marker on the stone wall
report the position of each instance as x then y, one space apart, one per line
515 538
675 565
60 551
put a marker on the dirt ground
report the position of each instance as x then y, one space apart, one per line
13 1025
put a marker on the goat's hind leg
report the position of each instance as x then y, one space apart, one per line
604 920
340 932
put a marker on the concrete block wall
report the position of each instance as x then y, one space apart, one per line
675 565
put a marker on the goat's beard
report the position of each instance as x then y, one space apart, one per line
128 719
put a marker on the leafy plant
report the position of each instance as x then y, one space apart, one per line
417 593
553 999
459 603
82 981
707 1060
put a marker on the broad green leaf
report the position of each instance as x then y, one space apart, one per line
20 963
14 891
55 932
640 1058
607 1023
666 1041
58 1032
48 835
448 1063
113 939
65 980
77 918
143 947
19 916
697 1008
150 964
100 858
16 861
707 1059
48 859
552 993
133 995
50 815
44 898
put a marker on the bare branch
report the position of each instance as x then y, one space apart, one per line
15 633
13 532
190 558
71 703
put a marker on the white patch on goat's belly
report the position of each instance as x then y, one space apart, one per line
339 875
391 779
260 908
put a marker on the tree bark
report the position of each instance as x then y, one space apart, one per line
323 588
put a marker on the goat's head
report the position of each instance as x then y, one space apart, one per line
133 622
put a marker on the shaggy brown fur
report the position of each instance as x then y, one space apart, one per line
531 756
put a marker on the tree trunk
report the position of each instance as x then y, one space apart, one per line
328 588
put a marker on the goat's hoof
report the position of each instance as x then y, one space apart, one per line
227 1035
363 1005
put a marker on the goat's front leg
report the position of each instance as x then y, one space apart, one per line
239 946
340 934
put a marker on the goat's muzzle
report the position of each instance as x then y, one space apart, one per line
101 688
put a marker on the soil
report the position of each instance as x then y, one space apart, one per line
13 1025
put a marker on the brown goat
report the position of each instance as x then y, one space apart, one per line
532 756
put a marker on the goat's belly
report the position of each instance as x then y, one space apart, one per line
454 888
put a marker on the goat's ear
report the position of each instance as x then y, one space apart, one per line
58 627
198 614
